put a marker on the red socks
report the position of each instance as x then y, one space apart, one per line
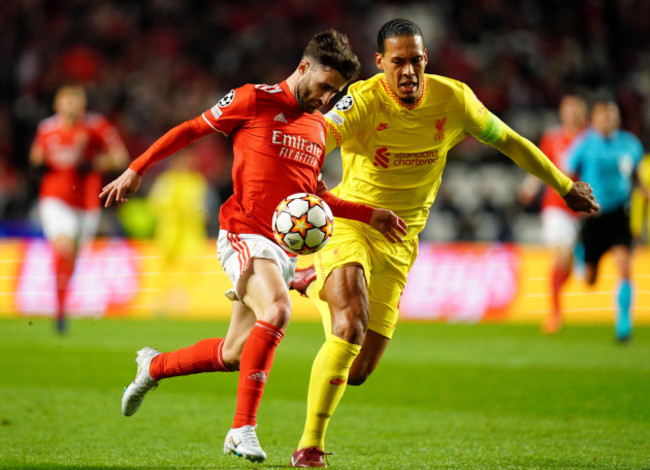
256 360
558 277
63 268
204 356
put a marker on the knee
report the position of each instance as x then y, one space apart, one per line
358 378
590 280
278 313
360 371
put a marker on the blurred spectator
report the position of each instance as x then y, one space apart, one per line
148 65
178 200
640 204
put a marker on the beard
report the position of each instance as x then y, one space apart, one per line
408 99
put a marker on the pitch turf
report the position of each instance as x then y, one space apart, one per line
444 397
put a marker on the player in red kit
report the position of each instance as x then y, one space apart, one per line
73 148
559 223
279 147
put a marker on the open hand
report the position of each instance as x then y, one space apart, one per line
388 224
120 188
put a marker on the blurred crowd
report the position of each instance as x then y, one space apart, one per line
149 65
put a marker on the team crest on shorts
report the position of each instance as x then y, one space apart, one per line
344 103
226 100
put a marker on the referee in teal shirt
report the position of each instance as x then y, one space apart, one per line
607 157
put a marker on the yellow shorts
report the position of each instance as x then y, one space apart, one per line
385 266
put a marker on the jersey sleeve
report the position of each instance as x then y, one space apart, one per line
489 129
344 119
477 121
231 111
174 140
545 145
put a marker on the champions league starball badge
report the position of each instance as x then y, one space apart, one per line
226 100
344 103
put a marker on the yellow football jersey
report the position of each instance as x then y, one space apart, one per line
393 152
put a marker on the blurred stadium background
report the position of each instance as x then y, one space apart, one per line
148 65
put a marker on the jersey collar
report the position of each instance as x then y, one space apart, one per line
401 103
289 96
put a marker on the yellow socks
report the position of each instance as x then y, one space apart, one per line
329 377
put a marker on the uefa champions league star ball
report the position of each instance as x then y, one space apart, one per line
302 223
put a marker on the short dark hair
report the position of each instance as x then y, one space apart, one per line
394 28
332 49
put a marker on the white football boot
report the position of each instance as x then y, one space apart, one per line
143 382
243 442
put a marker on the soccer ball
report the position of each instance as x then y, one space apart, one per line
302 223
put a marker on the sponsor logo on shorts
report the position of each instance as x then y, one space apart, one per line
382 126
337 381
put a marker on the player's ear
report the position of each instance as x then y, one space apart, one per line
303 66
426 58
379 61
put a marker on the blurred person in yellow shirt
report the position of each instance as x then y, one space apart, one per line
177 200
640 204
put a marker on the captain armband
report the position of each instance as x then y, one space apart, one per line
491 130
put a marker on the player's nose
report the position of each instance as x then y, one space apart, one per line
326 97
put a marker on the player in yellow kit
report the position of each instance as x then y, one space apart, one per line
394 130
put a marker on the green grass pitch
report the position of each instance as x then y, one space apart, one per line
444 397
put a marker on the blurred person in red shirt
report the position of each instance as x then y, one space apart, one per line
560 225
72 149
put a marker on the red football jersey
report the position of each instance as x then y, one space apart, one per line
555 143
278 151
69 153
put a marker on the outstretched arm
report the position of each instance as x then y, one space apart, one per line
180 136
578 196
